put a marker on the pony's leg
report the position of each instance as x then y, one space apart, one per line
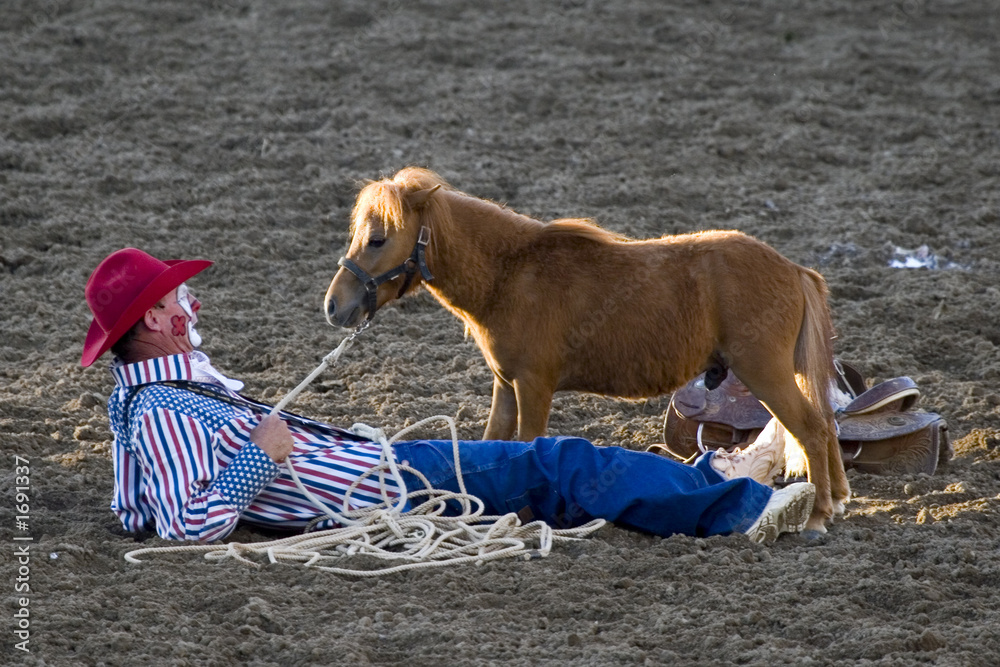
782 397
813 437
840 488
503 412
534 400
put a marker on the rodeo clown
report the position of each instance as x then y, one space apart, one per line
192 456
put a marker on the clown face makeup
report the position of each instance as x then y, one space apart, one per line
190 305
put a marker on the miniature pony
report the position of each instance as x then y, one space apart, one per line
566 305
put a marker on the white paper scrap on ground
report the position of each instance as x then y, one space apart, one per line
921 258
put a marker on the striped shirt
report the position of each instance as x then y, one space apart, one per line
184 462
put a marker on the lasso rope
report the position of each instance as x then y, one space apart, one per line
421 537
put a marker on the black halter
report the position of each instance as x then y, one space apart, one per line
409 267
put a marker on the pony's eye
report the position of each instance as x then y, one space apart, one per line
376 242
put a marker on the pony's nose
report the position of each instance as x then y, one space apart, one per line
331 310
343 314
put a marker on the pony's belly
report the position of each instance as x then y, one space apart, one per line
621 382
633 370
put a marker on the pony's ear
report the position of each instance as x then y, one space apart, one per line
418 199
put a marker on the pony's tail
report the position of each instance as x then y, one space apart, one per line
814 347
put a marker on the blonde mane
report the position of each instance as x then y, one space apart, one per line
385 198
583 228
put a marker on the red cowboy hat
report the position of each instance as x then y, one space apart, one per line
122 288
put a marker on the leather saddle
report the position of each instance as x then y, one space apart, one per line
879 429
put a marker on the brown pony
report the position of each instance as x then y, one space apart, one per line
569 306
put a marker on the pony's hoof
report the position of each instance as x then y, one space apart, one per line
839 508
812 535
816 524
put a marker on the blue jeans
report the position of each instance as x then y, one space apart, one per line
568 481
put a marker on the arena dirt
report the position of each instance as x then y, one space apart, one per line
239 131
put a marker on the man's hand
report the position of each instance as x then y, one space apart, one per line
273 437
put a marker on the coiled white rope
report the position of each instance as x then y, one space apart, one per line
421 537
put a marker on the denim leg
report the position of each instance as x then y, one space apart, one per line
568 481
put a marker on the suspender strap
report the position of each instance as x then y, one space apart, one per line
218 394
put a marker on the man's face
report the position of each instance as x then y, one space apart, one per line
176 316
190 305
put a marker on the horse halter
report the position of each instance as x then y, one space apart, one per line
409 267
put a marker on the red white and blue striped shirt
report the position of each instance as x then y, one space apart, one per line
184 462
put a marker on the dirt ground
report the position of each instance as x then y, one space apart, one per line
239 131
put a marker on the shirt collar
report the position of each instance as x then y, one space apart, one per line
193 366
161 369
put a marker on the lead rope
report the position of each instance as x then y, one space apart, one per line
386 454
421 537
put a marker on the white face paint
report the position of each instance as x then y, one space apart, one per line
184 299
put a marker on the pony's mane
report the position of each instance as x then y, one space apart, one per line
385 197
583 228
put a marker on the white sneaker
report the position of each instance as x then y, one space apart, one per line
762 460
786 512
